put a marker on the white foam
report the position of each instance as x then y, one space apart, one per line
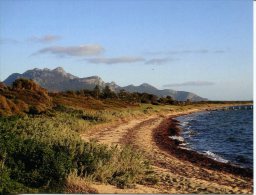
215 157
184 124
183 144
184 148
179 138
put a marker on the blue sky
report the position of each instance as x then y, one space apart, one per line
201 46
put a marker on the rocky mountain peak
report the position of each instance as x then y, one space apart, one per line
60 70
36 69
46 69
146 85
112 83
59 80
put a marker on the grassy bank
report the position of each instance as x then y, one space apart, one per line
45 154
41 149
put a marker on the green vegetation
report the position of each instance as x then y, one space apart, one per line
40 145
38 153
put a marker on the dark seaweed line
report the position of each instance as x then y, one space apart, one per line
170 128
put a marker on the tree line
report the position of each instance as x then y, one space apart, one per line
123 95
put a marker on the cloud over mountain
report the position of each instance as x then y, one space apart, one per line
82 50
190 83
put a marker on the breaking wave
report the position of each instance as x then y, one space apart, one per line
215 157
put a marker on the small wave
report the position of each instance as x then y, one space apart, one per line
185 148
185 132
179 138
215 157
183 144
184 124
190 132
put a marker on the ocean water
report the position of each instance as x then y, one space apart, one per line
223 135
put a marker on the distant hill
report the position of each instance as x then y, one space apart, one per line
177 95
58 80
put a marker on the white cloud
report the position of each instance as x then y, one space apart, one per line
44 39
83 50
158 61
190 83
116 60
188 51
219 51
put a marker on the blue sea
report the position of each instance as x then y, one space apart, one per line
223 135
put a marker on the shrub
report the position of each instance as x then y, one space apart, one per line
122 167
7 185
3 103
36 165
24 83
34 110
32 161
40 152
22 106
92 117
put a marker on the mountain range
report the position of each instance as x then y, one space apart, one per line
59 80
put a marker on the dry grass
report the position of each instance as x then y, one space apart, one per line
75 184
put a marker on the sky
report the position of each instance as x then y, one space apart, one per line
200 46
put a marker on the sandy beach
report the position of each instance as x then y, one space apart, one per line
179 170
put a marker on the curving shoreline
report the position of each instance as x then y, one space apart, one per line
179 171
170 127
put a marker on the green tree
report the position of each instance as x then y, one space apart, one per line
96 92
135 97
107 93
153 99
123 95
145 98
188 101
169 100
